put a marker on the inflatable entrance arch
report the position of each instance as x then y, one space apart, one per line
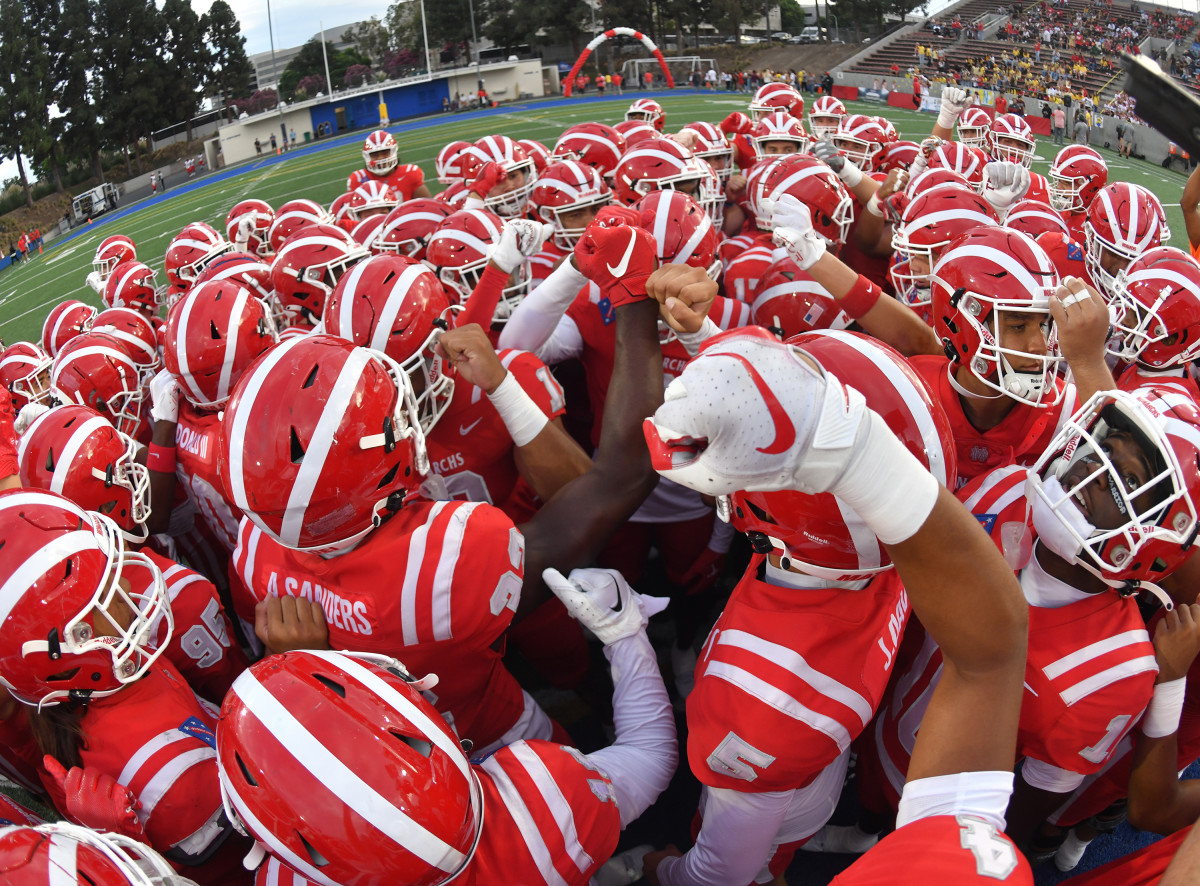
607 35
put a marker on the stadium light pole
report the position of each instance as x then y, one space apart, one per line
325 56
278 90
475 45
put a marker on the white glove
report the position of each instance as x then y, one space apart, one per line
833 157
242 238
164 397
94 281
1004 184
928 146
792 222
520 238
751 413
603 602
29 413
954 102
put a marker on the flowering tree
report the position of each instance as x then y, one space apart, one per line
356 74
311 85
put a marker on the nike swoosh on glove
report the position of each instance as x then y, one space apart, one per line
617 256
750 413
603 602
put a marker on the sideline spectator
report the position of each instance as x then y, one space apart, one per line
292 137
1081 130
258 146
274 144
1058 124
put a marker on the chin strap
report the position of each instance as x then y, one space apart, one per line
1132 588
970 395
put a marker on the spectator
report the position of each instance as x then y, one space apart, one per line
617 80
710 80
274 144
292 137
600 84
1058 124
22 245
648 79
258 146
1001 104
1081 129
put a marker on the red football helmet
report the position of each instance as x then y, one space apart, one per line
61 573
771 98
248 226
426 816
25 373
1157 309
110 253
294 215
212 337
243 267
95 370
666 164
364 232
191 250
538 152
647 110
683 232
136 334
713 146
307 267
897 155
789 302
982 274
812 183
134 285
380 152
1065 254
1123 220
1076 176
458 252
340 210
890 132
512 158
65 321
567 187
395 304
66 853
320 439
931 178
931 220
634 131
827 112
974 128
371 198
966 161
1159 523
407 228
860 138
779 126
1011 139
448 164
817 533
1034 218
596 144
76 452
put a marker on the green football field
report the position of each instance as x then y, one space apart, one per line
28 290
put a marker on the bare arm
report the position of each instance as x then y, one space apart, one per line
551 460
162 483
872 229
1081 316
1190 204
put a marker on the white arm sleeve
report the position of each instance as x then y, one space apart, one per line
1048 777
734 842
984 794
533 321
642 758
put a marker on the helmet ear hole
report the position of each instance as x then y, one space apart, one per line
420 745
245 770
316 857
331 685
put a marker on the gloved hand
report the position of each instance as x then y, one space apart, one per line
94 282
928 146
241 237
603 602
489 175
29 413
793 226
833 157
617 255
954 102
96 800
164 397
520 238
737 123
1004 184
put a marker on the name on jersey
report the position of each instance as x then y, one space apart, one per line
343 614
449 464
674 366
193 442
895 628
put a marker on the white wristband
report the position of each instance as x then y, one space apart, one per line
850 174
523 418
692 341
875 205
1162 714
947 117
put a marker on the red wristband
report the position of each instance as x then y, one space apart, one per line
161 458
859 300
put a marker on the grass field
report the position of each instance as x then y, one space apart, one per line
318 171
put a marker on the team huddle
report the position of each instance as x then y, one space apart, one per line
276 527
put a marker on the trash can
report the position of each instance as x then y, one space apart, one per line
308 136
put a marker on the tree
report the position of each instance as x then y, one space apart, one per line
188 59
373 38
25 75
792 17
311 85
76 132
536 22
309 61
356 74
231 71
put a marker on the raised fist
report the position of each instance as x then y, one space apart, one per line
793 230
830 154
519 239
96 800
1004 184
164 397
617 256
954 102
603 602
737 123
490 174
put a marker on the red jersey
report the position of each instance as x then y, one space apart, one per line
197 441
8 440
542 264
1039 190
1142 868
156 738
454 579
743 152
1133 377
13 813
405 179
471 448
201 647
744 272
731 247
594 320
551 817
1074 222
959 850
788 678
1021 438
